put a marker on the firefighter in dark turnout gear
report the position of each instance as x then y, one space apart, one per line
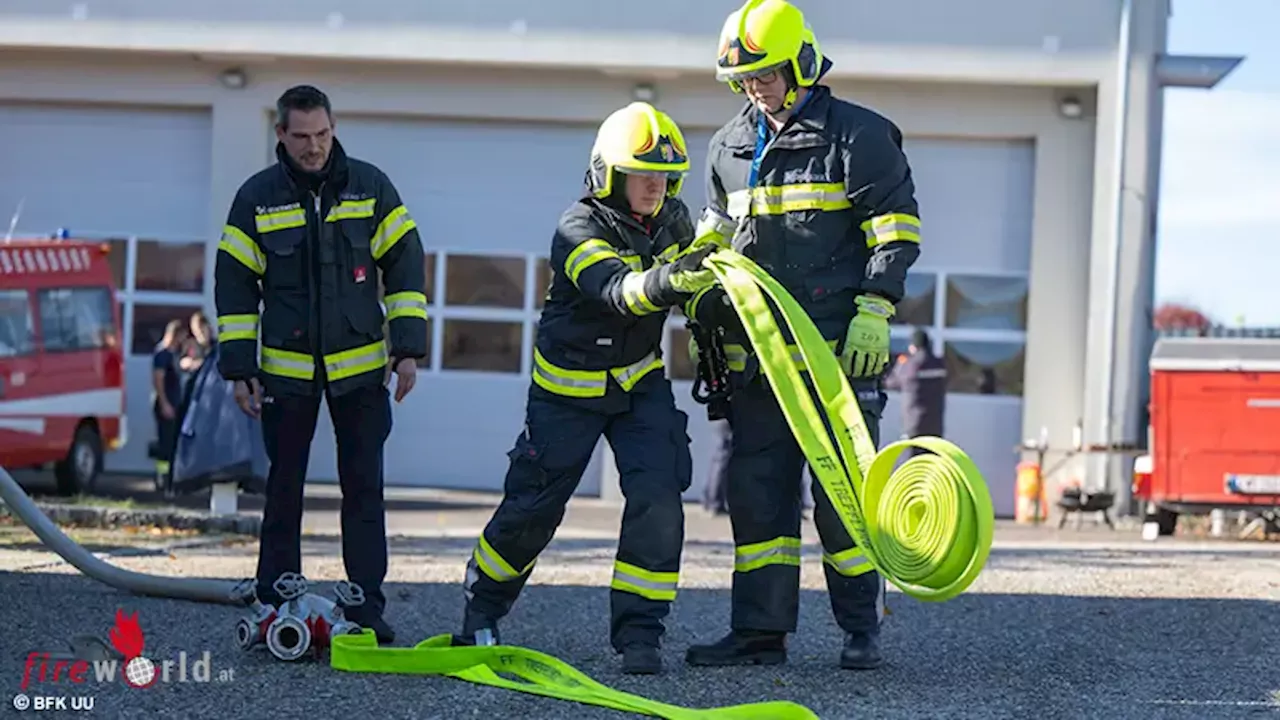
308 238
818 192
598 370
921 378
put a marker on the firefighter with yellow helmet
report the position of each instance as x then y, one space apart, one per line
598 371
818 192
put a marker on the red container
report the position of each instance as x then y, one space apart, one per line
1215 421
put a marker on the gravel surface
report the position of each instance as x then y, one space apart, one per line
1061 625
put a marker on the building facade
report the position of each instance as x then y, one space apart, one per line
136 123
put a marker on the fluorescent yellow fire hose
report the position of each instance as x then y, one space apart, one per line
926 527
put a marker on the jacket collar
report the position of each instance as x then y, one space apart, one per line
813 119
334 175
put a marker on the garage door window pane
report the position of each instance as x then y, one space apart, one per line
172 267
17 331
916 307
544 283
984 367
149 322
484 281
424 363
679 366
481 345
429 268
987 303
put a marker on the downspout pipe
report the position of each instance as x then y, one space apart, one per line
1117 237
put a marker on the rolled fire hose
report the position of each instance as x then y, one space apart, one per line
197 589
927 526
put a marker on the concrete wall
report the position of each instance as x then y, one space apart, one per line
1004 24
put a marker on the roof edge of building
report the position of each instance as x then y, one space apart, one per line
668 55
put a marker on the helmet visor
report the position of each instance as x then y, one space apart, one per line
668 174
764 74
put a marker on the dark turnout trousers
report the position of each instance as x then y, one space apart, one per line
651 446
765 510
361 423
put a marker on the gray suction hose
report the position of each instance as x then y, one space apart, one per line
195 589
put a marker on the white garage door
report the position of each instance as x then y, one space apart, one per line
969 290
136 176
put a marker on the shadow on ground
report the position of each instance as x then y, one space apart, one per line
980 655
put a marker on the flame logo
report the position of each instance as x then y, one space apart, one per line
127 635
137 671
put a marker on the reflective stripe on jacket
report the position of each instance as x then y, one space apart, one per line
313 261
833 212
600 333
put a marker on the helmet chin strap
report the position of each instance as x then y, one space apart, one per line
788 102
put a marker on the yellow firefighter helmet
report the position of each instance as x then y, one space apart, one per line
638 140
768 36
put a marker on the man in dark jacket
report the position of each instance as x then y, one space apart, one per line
818 192
921 377
306 237
598 371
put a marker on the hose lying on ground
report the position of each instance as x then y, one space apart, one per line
535 673
196 589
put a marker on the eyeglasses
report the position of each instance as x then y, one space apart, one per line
764 77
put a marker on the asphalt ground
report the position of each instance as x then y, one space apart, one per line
1085 623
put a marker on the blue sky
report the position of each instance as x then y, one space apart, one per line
1219 214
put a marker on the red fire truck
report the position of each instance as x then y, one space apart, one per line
61 360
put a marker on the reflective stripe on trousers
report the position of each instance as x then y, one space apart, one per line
778 551
589 383
645 583
850 563
493 565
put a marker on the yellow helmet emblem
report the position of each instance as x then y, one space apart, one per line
638 139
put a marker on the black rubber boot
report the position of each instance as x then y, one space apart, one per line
641 660
861 652
381 629
477 628
741 647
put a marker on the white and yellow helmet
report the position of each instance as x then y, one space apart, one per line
638 140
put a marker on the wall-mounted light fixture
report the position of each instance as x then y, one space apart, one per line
1071 107
233 78
644 92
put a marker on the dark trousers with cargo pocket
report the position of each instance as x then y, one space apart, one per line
765 510
651 447
361 423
